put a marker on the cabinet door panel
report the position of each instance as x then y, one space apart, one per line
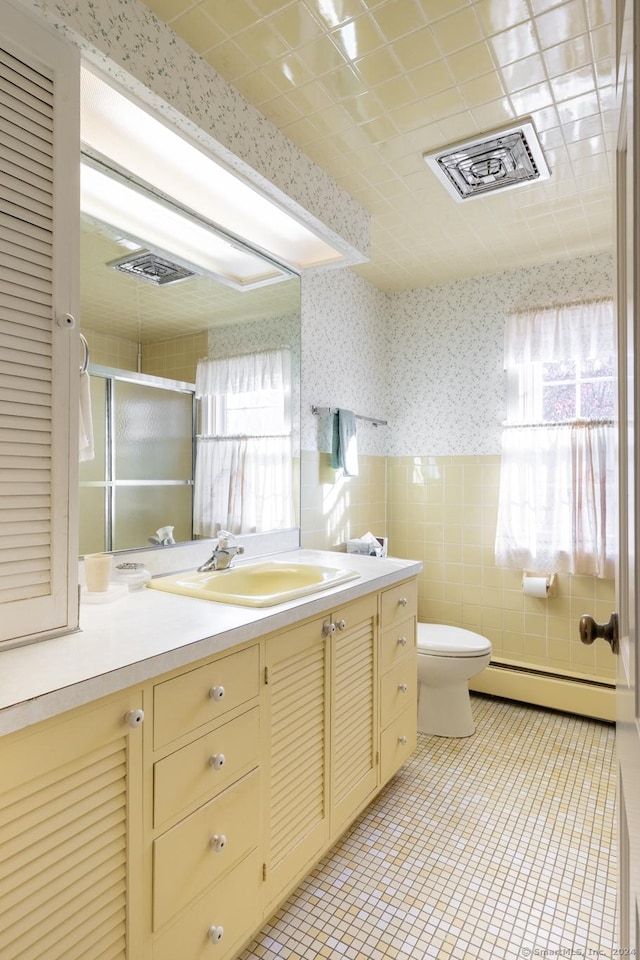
354 729
70 831
297 821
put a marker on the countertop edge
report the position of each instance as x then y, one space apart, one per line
57 697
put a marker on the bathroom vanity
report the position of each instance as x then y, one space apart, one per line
171 772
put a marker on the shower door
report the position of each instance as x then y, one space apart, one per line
141 478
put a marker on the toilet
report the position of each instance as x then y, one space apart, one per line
447 658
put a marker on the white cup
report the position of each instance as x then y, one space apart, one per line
97 570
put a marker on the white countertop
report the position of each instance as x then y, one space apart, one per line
148 632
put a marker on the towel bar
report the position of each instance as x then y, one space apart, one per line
374 420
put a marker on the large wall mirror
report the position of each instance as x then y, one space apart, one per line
145 336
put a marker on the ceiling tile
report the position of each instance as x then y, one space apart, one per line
320 56
396 18
333 14
514 44
482 89
232 16
416 49
395 93
229 60
496 15
358 38
343 83
378 67
473 61
524 73
167 10
198 30
296 25
461 29
564 23
432 78
261 44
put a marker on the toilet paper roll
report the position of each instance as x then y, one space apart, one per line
536 587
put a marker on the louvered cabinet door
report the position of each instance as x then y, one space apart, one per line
70 834
39 225
354 727
297 821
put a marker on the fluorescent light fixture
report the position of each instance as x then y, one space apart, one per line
116 128
155 223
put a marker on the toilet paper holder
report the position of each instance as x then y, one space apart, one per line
541 587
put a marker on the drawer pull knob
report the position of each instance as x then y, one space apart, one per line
402 641
402 741
218 842
216 934
328 627
216 693
133 718
403 601
216 760
402 687
341 624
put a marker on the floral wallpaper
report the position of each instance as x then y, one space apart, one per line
125 40
445 377
344 351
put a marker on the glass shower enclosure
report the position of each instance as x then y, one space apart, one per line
141 478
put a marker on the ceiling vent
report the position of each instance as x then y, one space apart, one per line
496 161
151 267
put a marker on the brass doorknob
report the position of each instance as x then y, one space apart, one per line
591 631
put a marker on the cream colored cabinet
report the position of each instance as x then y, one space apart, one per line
321 736
295 744
398 677
353 709
39 293
205 866
71 835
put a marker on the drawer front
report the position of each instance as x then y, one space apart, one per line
397 743
195 853
206 767
398 603
398 690
189 701
396 643
231 908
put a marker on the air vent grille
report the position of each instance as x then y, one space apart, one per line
497 161
149 266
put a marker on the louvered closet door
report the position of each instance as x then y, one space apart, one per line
354 771
70 833
39 147
297 815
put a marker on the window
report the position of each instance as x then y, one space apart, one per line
558 482
244 481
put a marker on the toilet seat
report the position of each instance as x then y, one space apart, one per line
439 640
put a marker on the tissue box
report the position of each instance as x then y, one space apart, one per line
369 546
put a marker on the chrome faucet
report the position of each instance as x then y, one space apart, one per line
223 554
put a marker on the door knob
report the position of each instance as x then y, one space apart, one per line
591 631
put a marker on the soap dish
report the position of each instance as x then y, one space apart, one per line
134 575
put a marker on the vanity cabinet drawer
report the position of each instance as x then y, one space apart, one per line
398 690
396 643
398 603
193 699
195 853
229 912
205 767
397 743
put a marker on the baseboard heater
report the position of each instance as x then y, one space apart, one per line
527 684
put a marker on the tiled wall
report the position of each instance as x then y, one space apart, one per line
442 510
112 351
336 508
175 358
430 361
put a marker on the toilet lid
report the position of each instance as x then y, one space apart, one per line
438 640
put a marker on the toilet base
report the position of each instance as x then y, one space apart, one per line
445 711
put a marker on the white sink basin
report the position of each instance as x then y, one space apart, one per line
256 584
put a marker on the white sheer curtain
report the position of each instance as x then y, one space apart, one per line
557 507
243 476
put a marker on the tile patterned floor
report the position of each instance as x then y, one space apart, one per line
497 847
